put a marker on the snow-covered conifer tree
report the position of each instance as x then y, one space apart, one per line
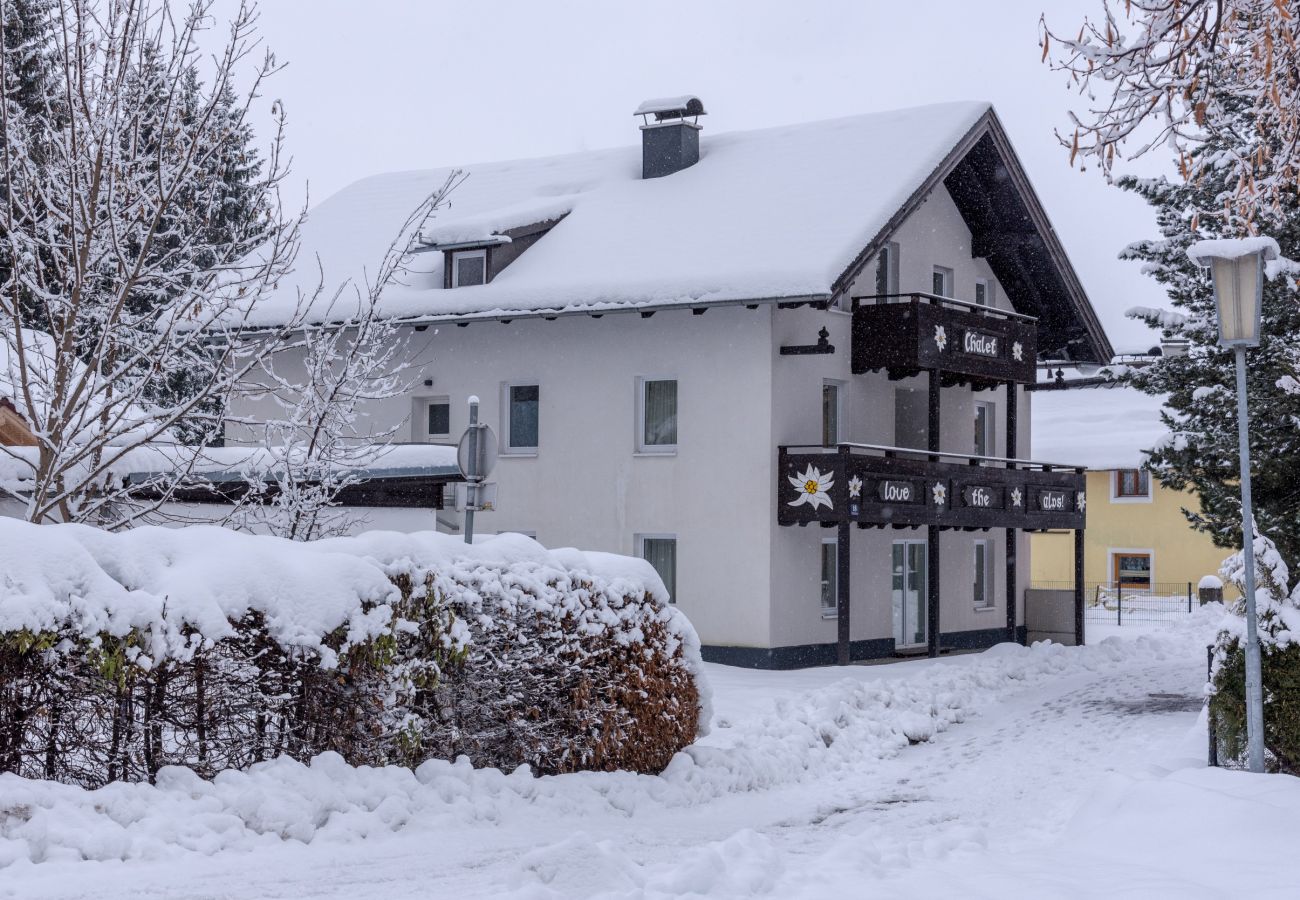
1201 407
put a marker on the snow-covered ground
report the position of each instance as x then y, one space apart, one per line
1043 772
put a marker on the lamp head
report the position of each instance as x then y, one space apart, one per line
1237 268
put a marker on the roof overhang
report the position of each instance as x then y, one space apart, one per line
1010 228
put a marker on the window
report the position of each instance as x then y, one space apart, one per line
468 267
983 589
985 439
660 550
657 419
887 270
984 292
1131 484
521 416
1131 570
942 282
436 419
830 577
830 414
911 418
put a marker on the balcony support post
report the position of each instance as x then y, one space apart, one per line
932 535
843 558
1078 587
1012 544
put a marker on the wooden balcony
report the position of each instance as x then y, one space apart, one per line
906 334
877 486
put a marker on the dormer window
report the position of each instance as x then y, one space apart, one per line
468 267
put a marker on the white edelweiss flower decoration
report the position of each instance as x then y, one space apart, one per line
940 337
940 494
1081 501
855 487
1017 352
812 486
1015 496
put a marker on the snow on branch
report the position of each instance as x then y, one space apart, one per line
1170 75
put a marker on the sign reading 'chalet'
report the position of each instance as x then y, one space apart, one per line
981 497
1053 501
898 492
981 344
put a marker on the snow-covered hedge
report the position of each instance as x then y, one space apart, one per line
1278 611
124 653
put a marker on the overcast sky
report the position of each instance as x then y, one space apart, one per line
383 85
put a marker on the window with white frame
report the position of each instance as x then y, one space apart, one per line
468 267
1130 486
830 576
985 437
942 281
522 421
434 419
656 415
887 271
830 413
983 587
660 550
984 292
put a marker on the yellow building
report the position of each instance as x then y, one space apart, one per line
1137 539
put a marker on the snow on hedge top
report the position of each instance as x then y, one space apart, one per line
55 577
164 581
1202 252
780 212
1099 427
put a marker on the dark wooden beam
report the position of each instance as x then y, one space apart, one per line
932 536
1078 587
1011 533
843 560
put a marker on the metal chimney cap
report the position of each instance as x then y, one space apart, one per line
671 107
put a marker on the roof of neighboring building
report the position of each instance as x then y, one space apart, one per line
780 213
1101 426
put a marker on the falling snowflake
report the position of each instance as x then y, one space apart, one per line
940 337
940 494
855 487
1017 352
1015 497
812 486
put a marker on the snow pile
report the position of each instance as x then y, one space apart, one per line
821 735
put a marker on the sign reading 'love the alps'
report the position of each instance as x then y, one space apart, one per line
981 497
898 492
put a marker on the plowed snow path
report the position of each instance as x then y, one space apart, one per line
1001 784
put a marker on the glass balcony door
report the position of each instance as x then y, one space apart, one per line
909 593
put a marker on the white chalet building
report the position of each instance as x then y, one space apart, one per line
715 352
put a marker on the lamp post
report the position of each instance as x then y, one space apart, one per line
1237 267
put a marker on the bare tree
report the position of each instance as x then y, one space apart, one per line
318 443
1168 75
115 280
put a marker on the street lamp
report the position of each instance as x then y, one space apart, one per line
1237 267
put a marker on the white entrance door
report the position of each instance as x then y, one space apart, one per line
909 568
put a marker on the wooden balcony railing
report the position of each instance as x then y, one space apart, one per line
906 334
877 485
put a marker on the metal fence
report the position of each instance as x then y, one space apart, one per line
1127 604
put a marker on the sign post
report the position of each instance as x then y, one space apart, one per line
477 456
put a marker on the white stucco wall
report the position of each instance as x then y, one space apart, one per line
586 485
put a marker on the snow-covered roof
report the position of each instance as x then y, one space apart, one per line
769 214
1101 427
